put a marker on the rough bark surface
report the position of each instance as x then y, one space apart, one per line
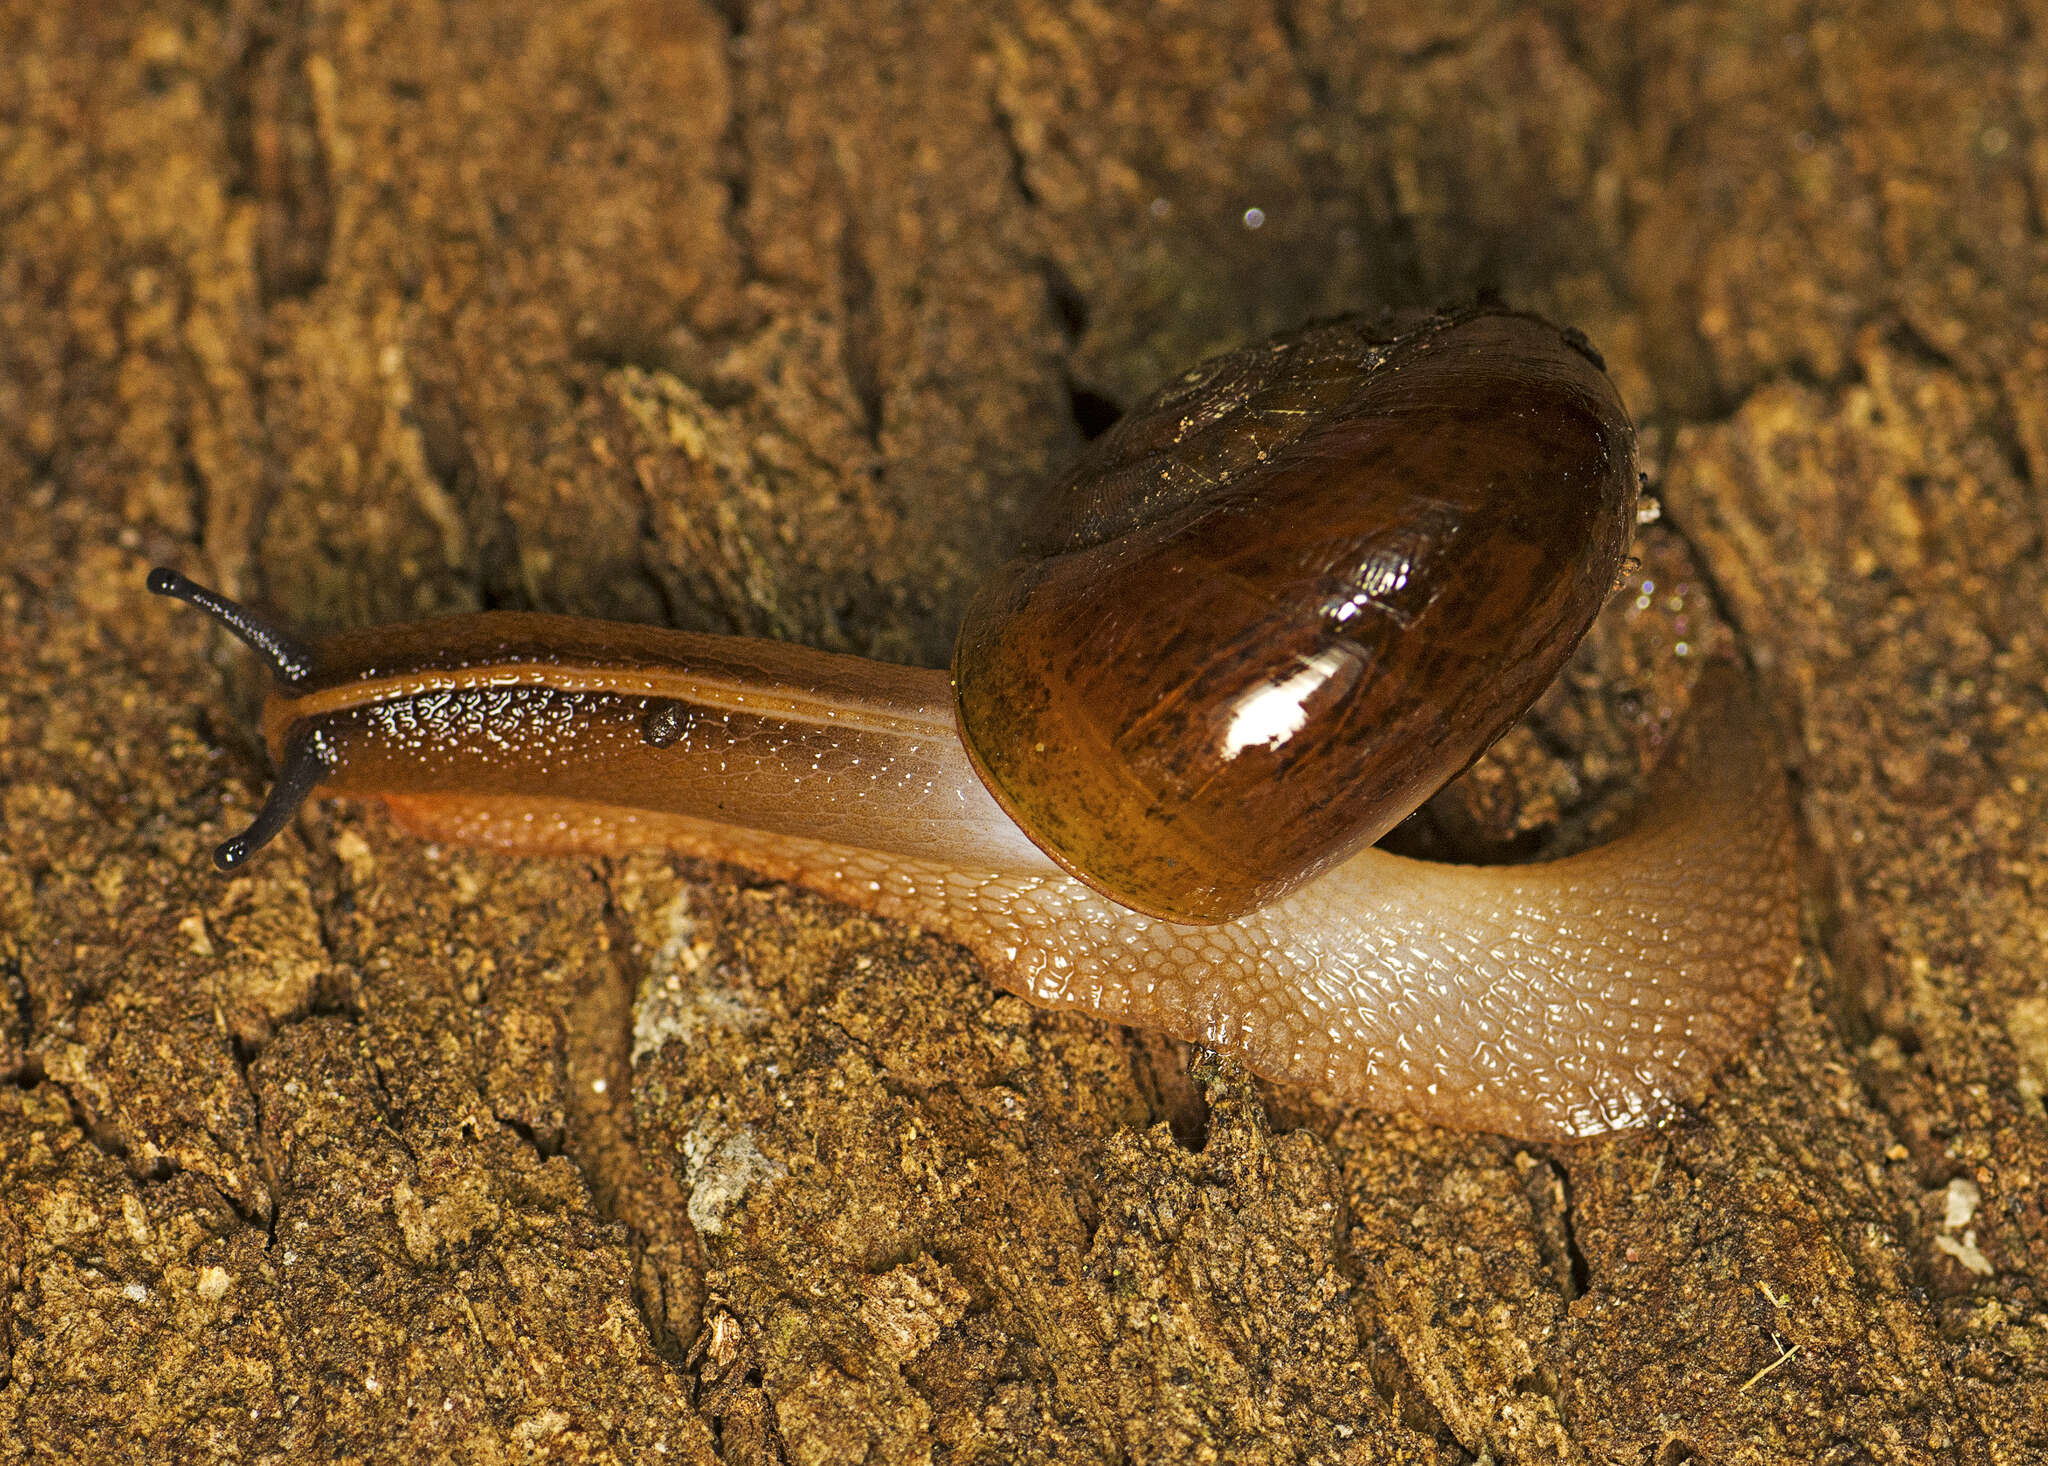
768 318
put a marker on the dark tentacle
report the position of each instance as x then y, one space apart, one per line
306 760
305 764
291 661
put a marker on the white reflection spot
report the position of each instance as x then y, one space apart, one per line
1268 716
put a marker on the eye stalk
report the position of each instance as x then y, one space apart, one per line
304 768
289 659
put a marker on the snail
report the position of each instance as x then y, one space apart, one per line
1285 599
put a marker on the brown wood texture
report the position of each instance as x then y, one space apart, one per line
770 318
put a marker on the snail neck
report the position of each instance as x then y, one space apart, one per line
728 732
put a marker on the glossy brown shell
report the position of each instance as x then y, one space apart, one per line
1290 596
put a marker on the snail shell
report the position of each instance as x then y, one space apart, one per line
1290 596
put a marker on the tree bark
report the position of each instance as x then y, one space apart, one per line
771 319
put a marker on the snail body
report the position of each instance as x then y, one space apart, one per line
1149 788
